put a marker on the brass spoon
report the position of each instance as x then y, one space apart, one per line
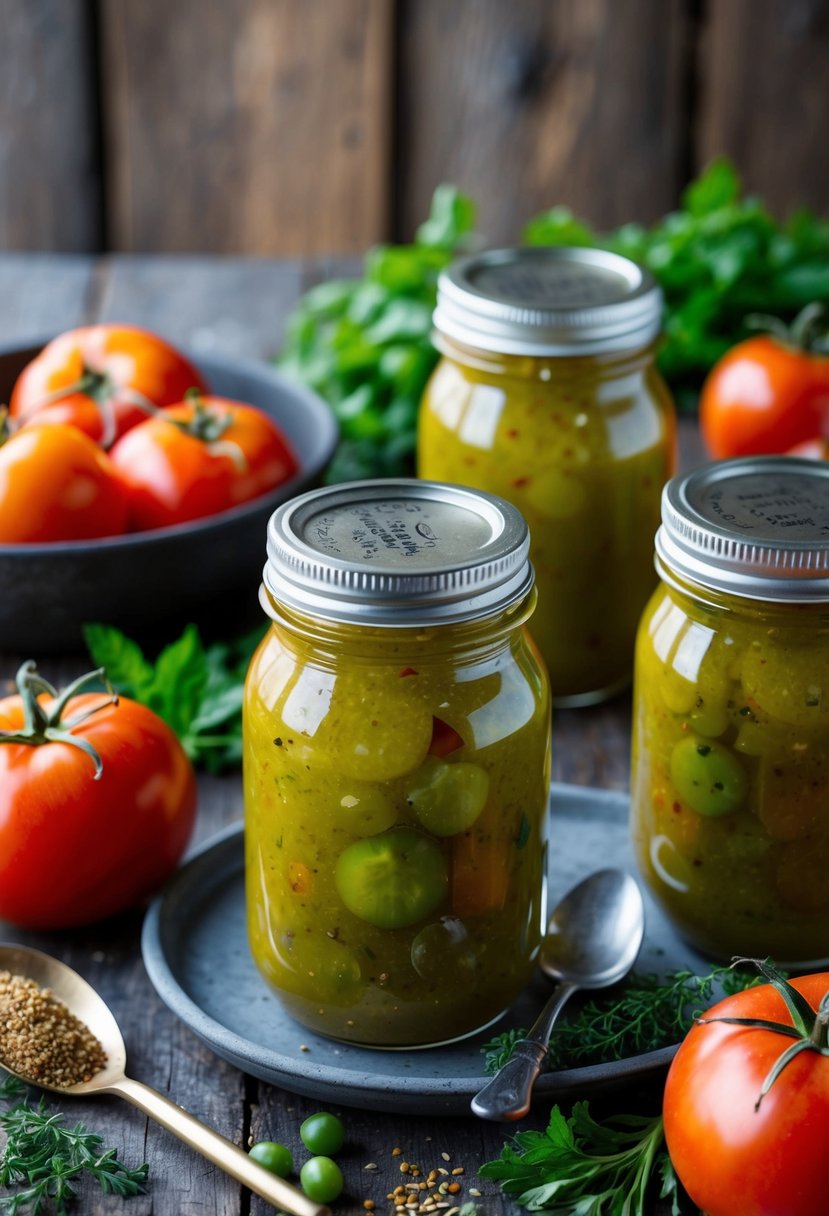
85 1003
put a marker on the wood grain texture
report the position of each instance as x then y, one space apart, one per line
232 306
41 294
49 171
247 126
524 106
763 97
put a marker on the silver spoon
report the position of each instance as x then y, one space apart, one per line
82 1000
592 940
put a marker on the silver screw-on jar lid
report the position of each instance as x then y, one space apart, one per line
757 527
548 301
397 552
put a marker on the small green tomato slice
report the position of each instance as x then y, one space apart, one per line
364 809
392 880
708 777
448 798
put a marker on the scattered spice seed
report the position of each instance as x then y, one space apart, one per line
368 1204
446 1157
473 1190
458 1169
453 1188
41 1039
372 1165
397 1152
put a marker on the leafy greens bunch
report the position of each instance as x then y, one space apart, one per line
44 1160
718 259
579 1167
197 690
364 344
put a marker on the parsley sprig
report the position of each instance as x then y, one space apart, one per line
197 690
45 1159
651 1012
579 1167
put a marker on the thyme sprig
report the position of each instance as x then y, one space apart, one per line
46 1159
650 1013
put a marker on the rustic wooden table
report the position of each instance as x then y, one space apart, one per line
239 306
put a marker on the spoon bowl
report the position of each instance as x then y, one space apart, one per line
83 1001
592 940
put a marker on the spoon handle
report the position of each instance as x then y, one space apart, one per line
216 1148
508 1094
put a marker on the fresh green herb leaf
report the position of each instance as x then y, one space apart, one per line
365 344
196 690
44 1160
718 260
648 1014
579 1167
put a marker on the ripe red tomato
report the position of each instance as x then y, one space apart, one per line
57 484
73 848
225 453
102 372
735 1160
764 396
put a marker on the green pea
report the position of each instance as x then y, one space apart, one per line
322 1179
708 777
322 1133
275 1157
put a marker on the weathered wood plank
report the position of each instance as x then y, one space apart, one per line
523 106
233 306
41 294
49 170
764 97
252 126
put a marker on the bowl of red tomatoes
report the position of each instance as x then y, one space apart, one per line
136 482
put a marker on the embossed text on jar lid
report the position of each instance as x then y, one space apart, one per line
398 552
757 526
548 301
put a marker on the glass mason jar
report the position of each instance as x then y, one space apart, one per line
396 763
730 772
547 394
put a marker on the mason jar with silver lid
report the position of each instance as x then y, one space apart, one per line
547 394
396 763
730 771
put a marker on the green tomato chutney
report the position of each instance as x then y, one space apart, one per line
396 764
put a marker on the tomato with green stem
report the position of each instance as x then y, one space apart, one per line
55 485
200 457
97 802
102 379
747 1101
771 391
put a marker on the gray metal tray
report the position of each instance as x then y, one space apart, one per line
195 950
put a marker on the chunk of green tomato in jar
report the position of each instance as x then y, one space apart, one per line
708 777
364 810
393 880
448 798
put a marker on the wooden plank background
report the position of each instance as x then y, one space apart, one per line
295 127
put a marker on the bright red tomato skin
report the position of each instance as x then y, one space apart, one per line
74 850
172 477
57 484
134 359
764 397
733 1160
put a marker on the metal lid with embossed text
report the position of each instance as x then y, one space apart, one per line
548 301
397 552
756 526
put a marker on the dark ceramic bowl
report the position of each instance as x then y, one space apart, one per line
150 584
